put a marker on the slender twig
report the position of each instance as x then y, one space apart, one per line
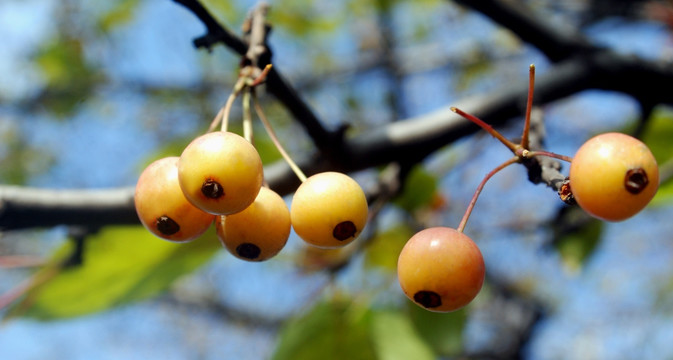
529 106
510 145
20 261
473 201
328 142
531 154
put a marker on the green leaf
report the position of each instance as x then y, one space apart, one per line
385 247
396 338
443 332
69 77
20 161
419 190
335 329
657 136
120 13
265 147
577 245
303 18
121 264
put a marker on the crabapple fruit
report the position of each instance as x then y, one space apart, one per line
161 206
260 231
220 173
440 269
329 210
613 176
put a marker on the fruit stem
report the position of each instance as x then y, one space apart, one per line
262 77
510 145
529 106
473 201
223 114
272 134
247 117
531 154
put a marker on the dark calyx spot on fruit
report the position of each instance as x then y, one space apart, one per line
212 189
635 180
248 251
428 299
344 230
167 226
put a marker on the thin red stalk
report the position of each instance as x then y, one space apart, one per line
531 154
19 261
529 106
510 145
14 293
473 202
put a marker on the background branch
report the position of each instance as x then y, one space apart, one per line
404 141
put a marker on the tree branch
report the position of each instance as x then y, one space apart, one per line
328 142
554 41
408 140
403 141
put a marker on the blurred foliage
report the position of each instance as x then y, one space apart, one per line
577 243
304 18
227 11
121 264
342 328
657 135
384 249
18 162
443 332
121 12
333 329
420 187
476 69
70 79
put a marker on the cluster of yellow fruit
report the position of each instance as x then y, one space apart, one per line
612 177
219 178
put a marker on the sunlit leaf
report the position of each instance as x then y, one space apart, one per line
476 69
335 329
419 190
396 338
121 264
68 75
577 245
657 135
442 332
18 161
265 147
121 12
301 18
226 11
385 247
